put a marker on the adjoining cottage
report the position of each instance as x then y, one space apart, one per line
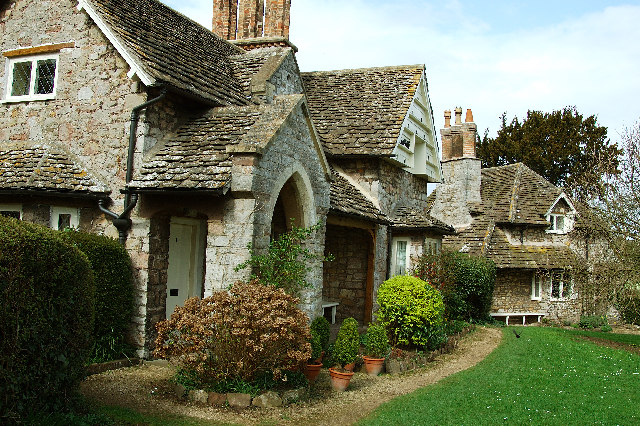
516 218
130 120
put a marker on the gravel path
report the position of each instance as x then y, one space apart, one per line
146 389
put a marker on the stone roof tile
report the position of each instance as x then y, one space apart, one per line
174 49
360 111
349 200
45 167
414 218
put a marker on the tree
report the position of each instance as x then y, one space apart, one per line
566 149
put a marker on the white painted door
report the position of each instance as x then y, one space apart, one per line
184 275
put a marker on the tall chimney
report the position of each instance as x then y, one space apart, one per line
248 19
458 115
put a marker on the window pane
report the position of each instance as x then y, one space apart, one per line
559 223
45 75
536 286
10 213
21 79
64 221
556 280
401 257
566 286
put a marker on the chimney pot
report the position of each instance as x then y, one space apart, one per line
458 115
447 118
469 117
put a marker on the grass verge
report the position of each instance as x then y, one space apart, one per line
544 377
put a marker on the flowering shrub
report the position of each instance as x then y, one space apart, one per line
411 310
244 333
466 283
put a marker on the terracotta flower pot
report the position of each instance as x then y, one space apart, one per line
339 379
350 367
373 365
311 371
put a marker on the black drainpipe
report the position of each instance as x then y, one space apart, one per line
121 221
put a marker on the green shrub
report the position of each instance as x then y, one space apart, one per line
249 331
46 319
466 283
377 342
629 306
347 345
112 273
316 346
411 310
320 327
286 262
592 321
606 328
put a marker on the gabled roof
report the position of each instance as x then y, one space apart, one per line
199 157
411 218
164 47
361 111
45 167
346 199
516 194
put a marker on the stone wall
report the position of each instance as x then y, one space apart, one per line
287 79
345 278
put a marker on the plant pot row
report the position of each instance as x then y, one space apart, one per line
340 377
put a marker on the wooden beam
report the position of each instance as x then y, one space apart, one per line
46 48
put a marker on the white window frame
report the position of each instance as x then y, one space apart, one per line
562 285
12 208
74 222
394 253
537 282
12 61
553 220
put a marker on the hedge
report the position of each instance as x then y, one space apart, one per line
112 272
46 319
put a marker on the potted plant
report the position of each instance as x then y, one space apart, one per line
312 369
320 327
345 352
376 348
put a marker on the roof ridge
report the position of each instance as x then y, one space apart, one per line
383 68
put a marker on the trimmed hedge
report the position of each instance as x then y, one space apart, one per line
112 272
46 319
466 283
412 312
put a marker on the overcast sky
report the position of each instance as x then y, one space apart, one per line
490 56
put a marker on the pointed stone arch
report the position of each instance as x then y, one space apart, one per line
292 201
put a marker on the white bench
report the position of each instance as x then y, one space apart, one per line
330 305
524 315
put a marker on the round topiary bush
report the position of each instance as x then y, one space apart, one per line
377 344
411 310
347 345
46 319
251 330
112 272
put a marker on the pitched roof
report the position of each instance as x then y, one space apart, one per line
169 48
413 218
512 194
45 167
199 157
516 194
360 111
347 199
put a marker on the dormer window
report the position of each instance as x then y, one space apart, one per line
561 216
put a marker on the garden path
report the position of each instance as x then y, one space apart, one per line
146 390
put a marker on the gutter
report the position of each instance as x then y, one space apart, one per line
122 221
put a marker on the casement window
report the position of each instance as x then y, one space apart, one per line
557 223
432 246
561 285
400 255
536 286
32 78
64 217
11 210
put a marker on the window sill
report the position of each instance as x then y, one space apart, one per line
15 100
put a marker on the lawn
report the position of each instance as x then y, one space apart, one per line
547 376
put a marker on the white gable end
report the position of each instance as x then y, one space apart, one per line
417 148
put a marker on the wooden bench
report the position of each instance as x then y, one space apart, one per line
326 304
524 315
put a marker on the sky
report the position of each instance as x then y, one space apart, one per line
495 57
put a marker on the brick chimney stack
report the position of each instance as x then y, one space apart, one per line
248 19
459 140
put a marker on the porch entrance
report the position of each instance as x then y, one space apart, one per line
186 259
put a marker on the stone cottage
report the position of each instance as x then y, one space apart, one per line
516 218
130 120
